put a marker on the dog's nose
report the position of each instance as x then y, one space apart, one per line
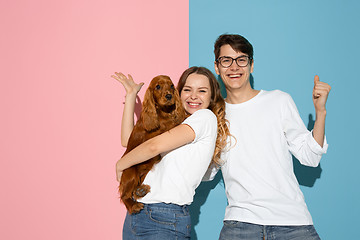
168 96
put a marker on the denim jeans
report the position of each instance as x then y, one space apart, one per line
235 230
158 221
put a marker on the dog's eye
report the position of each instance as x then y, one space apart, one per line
172 86
157 87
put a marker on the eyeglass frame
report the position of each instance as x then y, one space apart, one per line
234 59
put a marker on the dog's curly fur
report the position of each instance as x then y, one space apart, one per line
161 111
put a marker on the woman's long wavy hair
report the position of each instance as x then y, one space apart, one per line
217 106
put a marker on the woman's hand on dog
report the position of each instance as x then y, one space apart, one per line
119 172
128 82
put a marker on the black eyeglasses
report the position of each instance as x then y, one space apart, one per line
241 61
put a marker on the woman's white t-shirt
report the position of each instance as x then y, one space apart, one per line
175 178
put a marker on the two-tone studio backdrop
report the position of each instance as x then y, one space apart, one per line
61 111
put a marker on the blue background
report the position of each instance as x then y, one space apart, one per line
293 41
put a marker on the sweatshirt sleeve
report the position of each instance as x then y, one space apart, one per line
300 140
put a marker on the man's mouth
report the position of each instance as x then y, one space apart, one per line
234 75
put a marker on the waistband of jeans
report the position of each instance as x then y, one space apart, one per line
169 206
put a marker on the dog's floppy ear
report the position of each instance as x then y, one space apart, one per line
149 115
179 110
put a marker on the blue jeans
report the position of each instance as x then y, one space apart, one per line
235 230
159 221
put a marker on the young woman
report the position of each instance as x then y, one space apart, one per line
187 151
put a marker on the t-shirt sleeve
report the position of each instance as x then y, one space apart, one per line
203 122
210 173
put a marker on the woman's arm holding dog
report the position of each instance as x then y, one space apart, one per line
172 139
132 89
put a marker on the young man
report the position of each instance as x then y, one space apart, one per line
264 198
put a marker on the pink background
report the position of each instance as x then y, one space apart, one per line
61 111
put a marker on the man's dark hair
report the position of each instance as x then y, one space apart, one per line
237 42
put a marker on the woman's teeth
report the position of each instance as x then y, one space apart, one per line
194 104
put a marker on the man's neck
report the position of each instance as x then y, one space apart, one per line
235 96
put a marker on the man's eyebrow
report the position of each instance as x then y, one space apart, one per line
236 57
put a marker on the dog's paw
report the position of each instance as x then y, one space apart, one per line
142 191
136 207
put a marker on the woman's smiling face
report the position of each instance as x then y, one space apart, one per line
196 93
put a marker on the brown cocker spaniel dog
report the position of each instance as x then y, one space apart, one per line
161 111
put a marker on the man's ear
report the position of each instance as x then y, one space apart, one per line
252 66
216 68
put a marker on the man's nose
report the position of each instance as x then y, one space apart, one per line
234 65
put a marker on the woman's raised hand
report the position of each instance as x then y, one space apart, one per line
130 86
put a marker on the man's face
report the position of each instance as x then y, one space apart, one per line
234 77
